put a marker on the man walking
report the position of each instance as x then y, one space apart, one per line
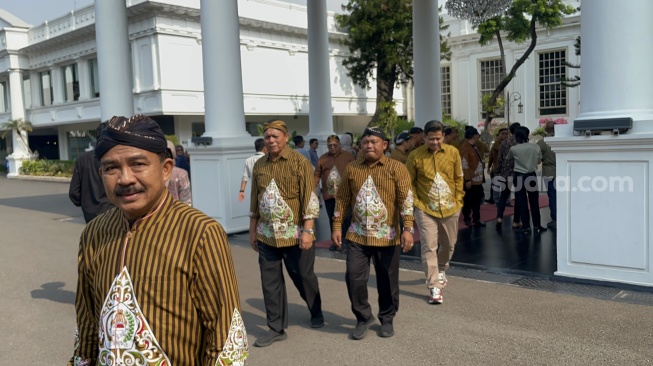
299 144
403 145
259 146
437 180
86 189
549 172
330 169
313 144
156 281
473 171
377 190
281 229
503 181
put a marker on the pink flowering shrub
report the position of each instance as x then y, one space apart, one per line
495 126
557 121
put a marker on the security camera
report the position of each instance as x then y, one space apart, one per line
615 132
588 133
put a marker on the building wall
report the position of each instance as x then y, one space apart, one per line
166 50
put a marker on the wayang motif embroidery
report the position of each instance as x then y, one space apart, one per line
313 207
125 337
370 214
407 207
333 181
236 348
440 196
277 217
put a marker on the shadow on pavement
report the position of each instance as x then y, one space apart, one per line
53 291
52 203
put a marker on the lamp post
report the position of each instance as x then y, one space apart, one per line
514 97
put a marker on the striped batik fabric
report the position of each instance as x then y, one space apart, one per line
378 194
183 278
282 198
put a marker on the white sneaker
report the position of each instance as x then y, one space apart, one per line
442 279
435 296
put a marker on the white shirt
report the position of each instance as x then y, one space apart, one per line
249 165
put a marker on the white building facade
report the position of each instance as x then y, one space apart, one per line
55 82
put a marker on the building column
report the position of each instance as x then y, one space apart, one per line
320 120
20 150
114 61
56 78
604 181
426 56
35 83
217 168
84 77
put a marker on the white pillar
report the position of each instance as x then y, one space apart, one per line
223 79
320 120
624 88
56 78
114 62
217 169
20 151
84 77
35 86
426 56
605 209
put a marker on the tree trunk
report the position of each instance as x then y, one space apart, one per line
506 80
385 85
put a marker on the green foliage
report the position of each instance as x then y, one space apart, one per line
516 22
485 102
538 132
380 41
19 126
454 123
387 118
403 125
51 168
173 138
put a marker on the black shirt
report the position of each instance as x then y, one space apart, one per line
86 187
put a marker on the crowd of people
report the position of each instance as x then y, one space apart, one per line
144 244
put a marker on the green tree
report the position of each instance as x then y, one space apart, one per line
380 40
575 81
518 24
19 127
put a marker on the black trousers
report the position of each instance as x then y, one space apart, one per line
503 200
330 205
527 195
472 202
299 264
386 266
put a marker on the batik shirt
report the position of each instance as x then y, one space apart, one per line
163 292
179 186
379 194
437 180
330 169
282 198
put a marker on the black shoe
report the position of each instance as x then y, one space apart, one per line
551 224
540 229
479 223
490 201
525 231
269 338
467 222
361 329
317 322
387 331
333 248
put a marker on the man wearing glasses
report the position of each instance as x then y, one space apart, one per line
330 168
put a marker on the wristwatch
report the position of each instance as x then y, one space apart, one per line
410 230
310 231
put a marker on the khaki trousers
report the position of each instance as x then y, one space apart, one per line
436 232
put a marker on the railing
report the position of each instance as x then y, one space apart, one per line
64 24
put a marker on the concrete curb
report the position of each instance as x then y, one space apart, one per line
40 178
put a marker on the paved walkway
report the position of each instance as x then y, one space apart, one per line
480 322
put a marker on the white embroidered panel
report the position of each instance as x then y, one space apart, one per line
313 207
125 337
440 196
277 217
333 181
370 214
236 349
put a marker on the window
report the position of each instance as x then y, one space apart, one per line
446 90
95 78
552 95
27 92
46 88
491 76
4 98
70 83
